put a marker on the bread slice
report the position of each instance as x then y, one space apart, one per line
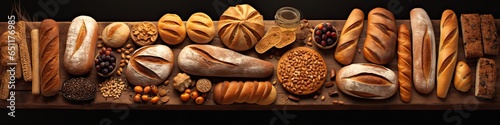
486 71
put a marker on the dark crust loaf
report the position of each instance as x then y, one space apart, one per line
471 32
489 33
486 76
49 58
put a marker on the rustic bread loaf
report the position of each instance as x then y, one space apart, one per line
404 63
448 52
489 34
150 65
367 80
171 29
200 28
486 77
471 33
240 27
49 58
424 51
209 60
80 45
348 41
463 77
115 34
251 92
380 43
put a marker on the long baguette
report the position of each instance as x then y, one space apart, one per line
448 47
404 63
348 41
35 48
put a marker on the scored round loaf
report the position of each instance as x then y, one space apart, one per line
200 28
150 65
115 34
381 36
171 29
241 27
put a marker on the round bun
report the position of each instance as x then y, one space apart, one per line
150 65
115 34
240 27
200 28
171 29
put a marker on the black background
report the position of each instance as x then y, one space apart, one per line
152 10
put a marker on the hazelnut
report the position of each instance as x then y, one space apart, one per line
155 99
145 98
138 89
184 97
137 98
200 100
147 89
194 95
154 89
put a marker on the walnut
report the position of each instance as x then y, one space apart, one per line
182 81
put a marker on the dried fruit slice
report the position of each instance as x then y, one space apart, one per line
270 39
287 38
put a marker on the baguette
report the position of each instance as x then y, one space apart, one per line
404 63
80 46
221 62
367 80
448 52
24 53
251 92
35 52
49 58
348 41
424 51
381 38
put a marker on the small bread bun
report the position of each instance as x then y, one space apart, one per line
200 28
171 29
115 34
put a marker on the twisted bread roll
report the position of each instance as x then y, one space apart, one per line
380 43
251 92
49 58
241 27
348 41
448 52
404 63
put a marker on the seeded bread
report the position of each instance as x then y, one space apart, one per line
489 34
486 75
471 33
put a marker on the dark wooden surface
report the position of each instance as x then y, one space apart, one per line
24 99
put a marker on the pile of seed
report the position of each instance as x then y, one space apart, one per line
79 89
302 71
112 88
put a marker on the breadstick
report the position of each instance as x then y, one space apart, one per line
24 54
35 87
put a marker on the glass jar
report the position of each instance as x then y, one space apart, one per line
288 17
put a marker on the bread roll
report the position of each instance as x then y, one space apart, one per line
424 51
404 63
448 52
209 60
200 28
380 43
49 58
367 80
80 45
240 27
150 65
462 77
171 29
348 41
251 92
486 77
115 34
489 34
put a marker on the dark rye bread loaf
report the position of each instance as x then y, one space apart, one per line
471 33
489 34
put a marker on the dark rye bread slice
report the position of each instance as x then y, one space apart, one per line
471 32
486 75
489 34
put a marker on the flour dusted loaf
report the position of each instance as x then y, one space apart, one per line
80 45
367 80
209 60
240 27
424 51
150 65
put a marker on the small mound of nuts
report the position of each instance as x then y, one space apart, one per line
112 88
144 33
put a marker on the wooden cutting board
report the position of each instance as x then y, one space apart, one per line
455 100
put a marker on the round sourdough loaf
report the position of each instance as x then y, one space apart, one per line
115 34
241 27
200 28
150 65
367 80
171 29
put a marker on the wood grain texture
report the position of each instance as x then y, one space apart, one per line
25 100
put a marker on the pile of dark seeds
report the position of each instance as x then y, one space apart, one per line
79 89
